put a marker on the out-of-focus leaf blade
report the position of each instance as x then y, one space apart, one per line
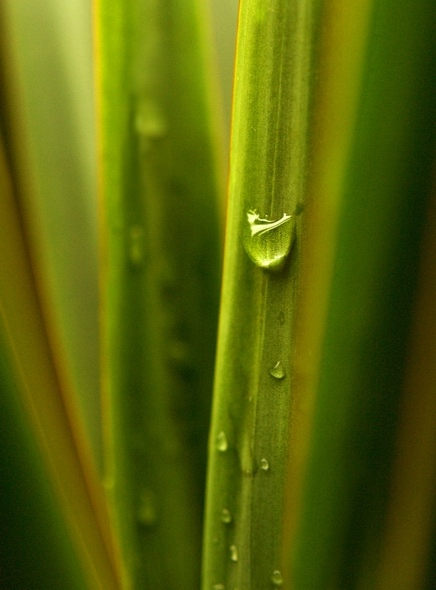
42 397
160 188
382 189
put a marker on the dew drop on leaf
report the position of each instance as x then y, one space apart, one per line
233 553
276 578
147 512
264 465
149 122
278 371
221 442
136 245
268 242
226 516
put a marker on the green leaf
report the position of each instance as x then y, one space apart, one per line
369 195
45 413
250 432
160 281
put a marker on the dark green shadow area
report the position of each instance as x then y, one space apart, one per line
35 550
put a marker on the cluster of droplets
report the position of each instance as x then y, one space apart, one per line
268 244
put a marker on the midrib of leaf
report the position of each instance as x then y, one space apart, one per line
268 171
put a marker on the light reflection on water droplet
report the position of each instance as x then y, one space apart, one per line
267 242
278 371
277 578
233 553
221 442
226 516
264 465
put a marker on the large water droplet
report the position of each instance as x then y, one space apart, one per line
147 512
277 578
268 242
278 371
233 553
136 245
226 516
221 442
264 465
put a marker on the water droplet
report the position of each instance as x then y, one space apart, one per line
276 578
233 553
226 516
264 465
221 442
267 242
136 245
278 371
147 513
149 123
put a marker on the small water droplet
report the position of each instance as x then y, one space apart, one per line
233 553
149 123
136 245
218 587
277 578
226 516
264 465
267 242
278 371
147 512
221 442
